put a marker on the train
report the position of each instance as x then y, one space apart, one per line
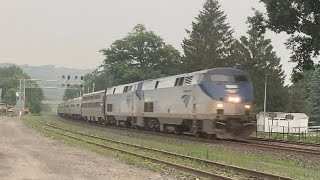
209 103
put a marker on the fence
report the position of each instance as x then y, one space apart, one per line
308 134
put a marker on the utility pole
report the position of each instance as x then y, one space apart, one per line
0 95
265 100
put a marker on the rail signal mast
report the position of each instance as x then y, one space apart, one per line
46 84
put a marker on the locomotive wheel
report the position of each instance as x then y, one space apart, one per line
209 136
178 130
154 125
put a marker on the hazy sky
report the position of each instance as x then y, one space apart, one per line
70 32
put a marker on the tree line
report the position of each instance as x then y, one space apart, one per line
9 82
142 54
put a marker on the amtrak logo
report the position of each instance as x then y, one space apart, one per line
232 88
186 99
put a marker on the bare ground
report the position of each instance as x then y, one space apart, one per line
26 154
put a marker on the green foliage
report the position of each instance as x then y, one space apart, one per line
9 81
298 95
140 55
314 97
71 93
209 43
33 100
255 55
101 78
301 20
265 163
10 96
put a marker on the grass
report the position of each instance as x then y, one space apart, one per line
315 138
266 163
130 160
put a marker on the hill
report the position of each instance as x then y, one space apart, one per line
50 72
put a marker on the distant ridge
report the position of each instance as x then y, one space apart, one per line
49 72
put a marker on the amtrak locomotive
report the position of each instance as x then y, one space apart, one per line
215 102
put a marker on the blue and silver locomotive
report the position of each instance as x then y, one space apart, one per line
215 102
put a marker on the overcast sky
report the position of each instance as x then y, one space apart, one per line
71 32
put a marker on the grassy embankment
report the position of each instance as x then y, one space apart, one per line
256 161
313 137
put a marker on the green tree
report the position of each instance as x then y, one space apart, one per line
298 97
33 100
71 93
255 55
210 41
10 96
140 55
314 96
9 81
101 78
301 20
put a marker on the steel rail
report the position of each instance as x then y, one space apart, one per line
183 168
243 171
210 141
287 142
260 144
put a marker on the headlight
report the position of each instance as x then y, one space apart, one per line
219 106
247 106
234 99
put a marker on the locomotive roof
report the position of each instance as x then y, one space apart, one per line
226 71
219 70
97 92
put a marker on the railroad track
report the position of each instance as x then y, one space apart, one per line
305 144
281 147
251 142
249 174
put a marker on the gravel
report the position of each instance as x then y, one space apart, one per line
26 154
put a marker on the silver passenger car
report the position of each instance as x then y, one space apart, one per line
92 106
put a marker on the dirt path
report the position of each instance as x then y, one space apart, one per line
25 154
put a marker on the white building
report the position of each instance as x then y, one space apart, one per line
282 122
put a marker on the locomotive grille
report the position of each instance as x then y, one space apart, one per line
188 80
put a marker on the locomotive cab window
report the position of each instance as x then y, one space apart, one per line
220 78
227 78
240 78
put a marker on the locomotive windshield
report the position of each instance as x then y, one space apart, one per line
228 78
